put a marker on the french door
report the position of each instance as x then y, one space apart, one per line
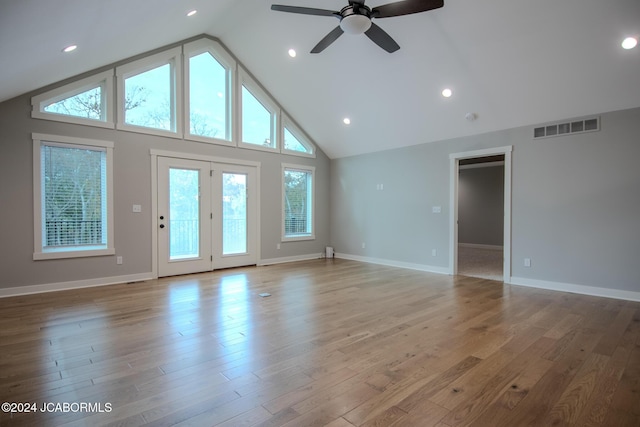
207 215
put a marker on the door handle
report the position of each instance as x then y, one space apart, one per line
161 225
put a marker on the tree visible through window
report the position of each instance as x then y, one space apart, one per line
74 196
88 104
298 193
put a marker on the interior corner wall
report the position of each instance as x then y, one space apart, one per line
132 185
575 209
481 206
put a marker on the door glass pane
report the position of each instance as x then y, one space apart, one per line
184 214
234 213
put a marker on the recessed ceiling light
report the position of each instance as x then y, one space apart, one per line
629 43
292 53
447 92
346 121
193 12
70 48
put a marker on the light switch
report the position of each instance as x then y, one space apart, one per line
436 209
137 208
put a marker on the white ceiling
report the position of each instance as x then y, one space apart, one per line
510 62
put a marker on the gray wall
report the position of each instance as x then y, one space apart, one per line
481 205
575 203
132 185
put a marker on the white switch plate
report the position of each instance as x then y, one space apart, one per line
434 252
527 262
436 209
137 208
119 260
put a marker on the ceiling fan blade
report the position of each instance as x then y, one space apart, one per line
381 38
327 40
304 10
405 7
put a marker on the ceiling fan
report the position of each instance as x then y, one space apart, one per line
356 19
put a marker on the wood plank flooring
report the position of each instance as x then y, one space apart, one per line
338 343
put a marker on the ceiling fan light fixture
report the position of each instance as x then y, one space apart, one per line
355 24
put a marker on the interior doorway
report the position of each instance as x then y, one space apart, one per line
481 217
476 248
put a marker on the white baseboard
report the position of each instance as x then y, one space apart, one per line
285 259
576 289
63 286
393 263
479 246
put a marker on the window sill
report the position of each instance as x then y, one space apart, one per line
73 253
298 237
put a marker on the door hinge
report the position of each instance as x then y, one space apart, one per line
211 216
211 173
211 257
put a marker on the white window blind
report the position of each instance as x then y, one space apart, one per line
74 196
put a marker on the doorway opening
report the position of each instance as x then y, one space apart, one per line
481 217
480 226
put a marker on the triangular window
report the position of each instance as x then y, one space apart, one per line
86 101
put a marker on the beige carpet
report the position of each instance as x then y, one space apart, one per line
479 262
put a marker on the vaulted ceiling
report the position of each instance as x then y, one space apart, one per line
509 63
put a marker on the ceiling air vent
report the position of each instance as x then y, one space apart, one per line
591 124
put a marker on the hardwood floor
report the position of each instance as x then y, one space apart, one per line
338 343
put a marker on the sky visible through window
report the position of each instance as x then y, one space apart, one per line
208 97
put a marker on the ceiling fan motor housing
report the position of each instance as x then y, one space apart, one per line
355 20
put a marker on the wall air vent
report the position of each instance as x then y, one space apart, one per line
590 124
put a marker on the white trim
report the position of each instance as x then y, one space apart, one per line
282 260
393 263
574 288
454 172
214 48
204 157
77 284
83 251
103 80
312 209
123 72
481 246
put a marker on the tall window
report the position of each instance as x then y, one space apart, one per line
259 116
297 198
72 197
209 72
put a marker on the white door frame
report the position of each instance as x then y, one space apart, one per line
154 195
454 170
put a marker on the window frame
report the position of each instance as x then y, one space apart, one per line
196 48
288 124
244 79
104 80
143 65
310 210
40 253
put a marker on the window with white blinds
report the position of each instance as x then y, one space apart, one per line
297 195
72 197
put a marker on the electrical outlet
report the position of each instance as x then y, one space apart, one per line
137 208
119 260
527 262
278 246
434 252
363 245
